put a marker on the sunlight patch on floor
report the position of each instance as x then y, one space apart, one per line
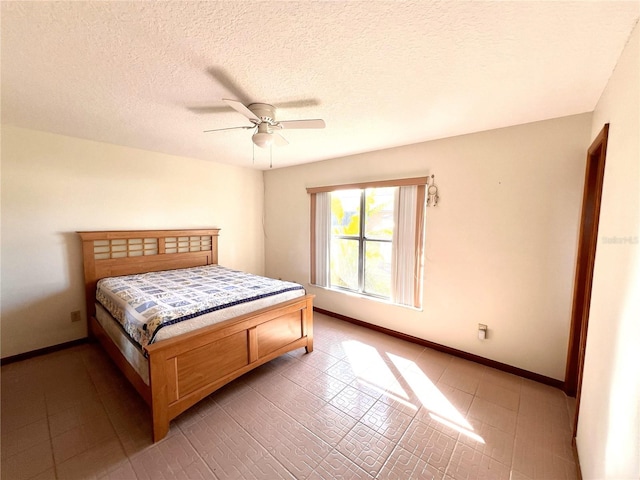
371 370
369 366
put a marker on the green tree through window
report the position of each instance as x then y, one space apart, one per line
361 244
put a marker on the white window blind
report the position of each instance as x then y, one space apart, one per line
405 252
322 231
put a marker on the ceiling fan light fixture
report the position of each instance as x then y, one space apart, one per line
262 139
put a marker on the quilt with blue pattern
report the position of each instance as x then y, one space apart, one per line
146 302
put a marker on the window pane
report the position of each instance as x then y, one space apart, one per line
344 263
377 268
379 212
345 212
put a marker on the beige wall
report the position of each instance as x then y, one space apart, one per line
609 428
500 246
53 186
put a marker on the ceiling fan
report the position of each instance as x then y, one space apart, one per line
263 119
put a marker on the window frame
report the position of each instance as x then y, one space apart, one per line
419 182
362 240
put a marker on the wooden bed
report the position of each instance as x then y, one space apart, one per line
187 368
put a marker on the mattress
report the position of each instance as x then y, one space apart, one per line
153 306
130 350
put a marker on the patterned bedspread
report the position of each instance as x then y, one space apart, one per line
144 303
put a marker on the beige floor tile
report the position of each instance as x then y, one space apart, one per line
172 457
483 411
330 424
515 475
124 471
470 464
195 414
50 474
325 386
490 441
61 400
402 465
97 462
537 462
503 396
230 452
353 402
387 420
344 371
17 414
229 392
433 370
275 388
301 373
28 463
83 438
555 413
431 445
547 435
24 438
337 466
503 379
393 346
459 399
360 406
366 448
403 399
542 393
330 346
462 379
318 359
375 389
303 404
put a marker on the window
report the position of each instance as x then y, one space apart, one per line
367 238
361 240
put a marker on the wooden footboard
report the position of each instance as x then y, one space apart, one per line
185 369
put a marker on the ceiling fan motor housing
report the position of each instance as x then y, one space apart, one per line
264 111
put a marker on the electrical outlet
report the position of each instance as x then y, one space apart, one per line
75 316
482 331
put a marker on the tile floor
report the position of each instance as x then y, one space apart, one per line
362 405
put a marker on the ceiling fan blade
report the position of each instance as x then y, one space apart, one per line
291 124
240 108
279 140
228 128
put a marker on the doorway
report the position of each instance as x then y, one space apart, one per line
587 240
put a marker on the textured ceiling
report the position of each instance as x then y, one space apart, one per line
152 75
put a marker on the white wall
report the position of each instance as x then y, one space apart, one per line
500 246
53 186
609 428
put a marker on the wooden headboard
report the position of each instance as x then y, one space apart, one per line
125 252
